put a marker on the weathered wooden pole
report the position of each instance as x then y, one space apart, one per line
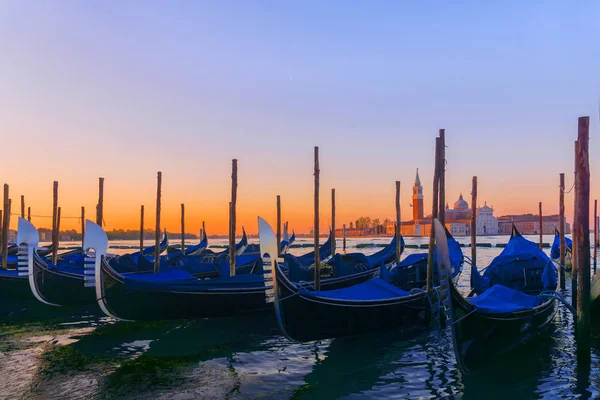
232 221
316 222
333 222
203 232
574 253
279 224
100 207
442 161
82 224
182 229
595 233
55 258
29 214
583 231
157 228
434 214
344 240
5 223
22 206
55 222
541 227
2 252
561 230
142 229
397 230
474 221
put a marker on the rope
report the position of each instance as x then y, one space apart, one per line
569 191
560 298
418 290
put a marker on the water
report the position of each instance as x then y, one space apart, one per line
64 353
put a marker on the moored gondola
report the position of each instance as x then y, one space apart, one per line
305 314
555 249
175 293
515 302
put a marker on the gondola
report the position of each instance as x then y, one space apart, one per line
555 249
515 301
411 272
174 252
176 294
372 305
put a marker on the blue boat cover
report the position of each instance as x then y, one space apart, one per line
372 289
9 272
324 253
387 254
555 250
521 265
500 299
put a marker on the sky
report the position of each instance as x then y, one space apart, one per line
125 89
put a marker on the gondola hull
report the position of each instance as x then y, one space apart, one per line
60 287
338 318
173 304
14 287
480 337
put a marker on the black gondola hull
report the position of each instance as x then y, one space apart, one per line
481 337
60 287
14 287
304 318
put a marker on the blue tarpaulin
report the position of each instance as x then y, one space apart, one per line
372 289
500 299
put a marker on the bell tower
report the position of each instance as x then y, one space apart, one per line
417 199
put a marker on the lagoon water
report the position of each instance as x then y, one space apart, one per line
65 353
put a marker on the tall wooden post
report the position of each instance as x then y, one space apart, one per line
55 222
442 161
203 230
82 224
279 224
474 221
344 240
316 222
434 214
595 233
182 229
583 231
333 243
5 223
2 252
574 235
397 230
141 229
29 214
22 206
100 207
541 227
232 220
55 257
157 228
561 230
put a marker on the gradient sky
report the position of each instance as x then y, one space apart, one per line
124 89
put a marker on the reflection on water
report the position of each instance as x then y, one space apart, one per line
54 353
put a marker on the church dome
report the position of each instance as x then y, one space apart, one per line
461 204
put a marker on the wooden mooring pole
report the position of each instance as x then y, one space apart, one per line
595 233
333 222
57 234
82 224
22 206
474 222
397 230
541 222
442 167
182 229
141 229
561 230
54 222
234 184
157 228
100 206
582 188
2 252
344 240
279 224
316 222
5 223
434 214
29 214
574 235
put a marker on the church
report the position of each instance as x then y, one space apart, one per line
458 218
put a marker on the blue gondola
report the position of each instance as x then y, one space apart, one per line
515 301
555 250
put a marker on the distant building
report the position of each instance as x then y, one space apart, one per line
417 199
529 224
12 236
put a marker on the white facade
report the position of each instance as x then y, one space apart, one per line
487 224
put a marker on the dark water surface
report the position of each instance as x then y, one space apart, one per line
63 353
